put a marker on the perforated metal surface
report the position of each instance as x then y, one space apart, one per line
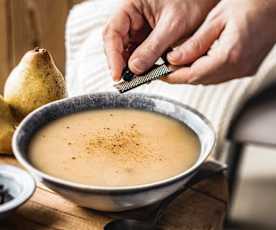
154 74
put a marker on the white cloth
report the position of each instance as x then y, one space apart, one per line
87 71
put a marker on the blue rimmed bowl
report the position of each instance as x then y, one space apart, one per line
113 198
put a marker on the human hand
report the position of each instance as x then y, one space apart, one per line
236 35
142 30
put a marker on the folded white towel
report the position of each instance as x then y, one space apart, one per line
87 71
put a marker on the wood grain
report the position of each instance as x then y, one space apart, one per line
48 21
4 42
202 207
22 36
39 23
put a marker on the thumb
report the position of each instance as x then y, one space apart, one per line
164 35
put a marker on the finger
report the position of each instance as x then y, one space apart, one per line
198 44
179 76
115 57
114 35
200 72
160 39
208 68
220 64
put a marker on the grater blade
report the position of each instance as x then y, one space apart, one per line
154 74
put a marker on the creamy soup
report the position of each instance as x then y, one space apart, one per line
114 147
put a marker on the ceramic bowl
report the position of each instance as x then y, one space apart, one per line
113 198
19 184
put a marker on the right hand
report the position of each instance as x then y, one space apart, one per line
142 30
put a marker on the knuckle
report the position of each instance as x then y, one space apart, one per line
249 70
238 62
105 31
177 23
195 45
174 20
152 49
211 16
233 56
214 14
194 80
109 35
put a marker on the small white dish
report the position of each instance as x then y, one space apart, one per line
19 184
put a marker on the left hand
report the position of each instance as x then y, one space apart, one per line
236 35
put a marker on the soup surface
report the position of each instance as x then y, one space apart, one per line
114 147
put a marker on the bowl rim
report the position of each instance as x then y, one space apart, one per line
114 189
28 183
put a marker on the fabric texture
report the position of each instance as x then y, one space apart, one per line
87 70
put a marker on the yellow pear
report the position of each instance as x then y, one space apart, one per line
7 127
35 81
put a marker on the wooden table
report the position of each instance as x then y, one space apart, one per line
202 207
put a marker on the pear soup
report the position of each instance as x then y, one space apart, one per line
114 147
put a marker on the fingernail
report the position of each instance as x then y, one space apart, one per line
138 66
174 55
116 77
113 74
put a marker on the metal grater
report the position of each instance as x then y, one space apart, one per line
154 74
